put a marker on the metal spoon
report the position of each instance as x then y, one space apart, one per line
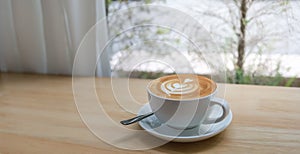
136 119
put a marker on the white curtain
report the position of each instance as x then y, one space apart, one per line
42 36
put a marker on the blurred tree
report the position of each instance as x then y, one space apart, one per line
251 33
247 33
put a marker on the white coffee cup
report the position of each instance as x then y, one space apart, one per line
186 113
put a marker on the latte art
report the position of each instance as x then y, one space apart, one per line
174 87
182 86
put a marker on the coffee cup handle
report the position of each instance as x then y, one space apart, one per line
225 107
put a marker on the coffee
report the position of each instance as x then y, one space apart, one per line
182 86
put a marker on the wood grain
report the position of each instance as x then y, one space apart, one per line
38 115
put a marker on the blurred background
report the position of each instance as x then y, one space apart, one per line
258 40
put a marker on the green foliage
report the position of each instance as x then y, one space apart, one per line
108 2
239 77
284 3
148 1
245 22
161 31
146 75
290 81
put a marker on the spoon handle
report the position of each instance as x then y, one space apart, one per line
136 119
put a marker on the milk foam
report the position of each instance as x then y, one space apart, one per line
173 86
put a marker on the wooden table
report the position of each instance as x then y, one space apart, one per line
38 115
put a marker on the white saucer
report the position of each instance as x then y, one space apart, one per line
162 131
